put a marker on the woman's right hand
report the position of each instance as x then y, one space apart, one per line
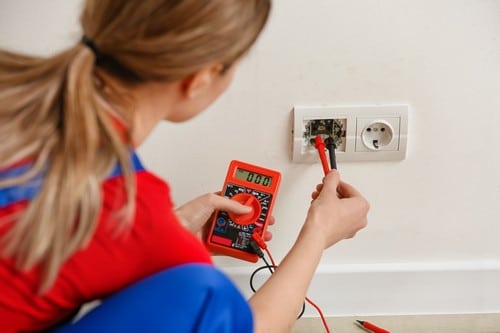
338 210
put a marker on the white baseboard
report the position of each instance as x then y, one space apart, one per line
398 288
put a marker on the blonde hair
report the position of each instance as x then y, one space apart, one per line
58 113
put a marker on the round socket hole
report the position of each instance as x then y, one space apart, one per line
377 135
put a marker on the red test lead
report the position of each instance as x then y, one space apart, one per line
370 327
320 147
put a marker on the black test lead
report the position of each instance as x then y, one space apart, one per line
331 146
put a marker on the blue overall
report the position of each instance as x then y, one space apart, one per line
194 298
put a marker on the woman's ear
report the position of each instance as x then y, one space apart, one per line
197 83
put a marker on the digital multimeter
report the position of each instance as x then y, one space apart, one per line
253 186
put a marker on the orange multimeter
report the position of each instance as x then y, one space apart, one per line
253 186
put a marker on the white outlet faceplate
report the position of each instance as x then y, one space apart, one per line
358 121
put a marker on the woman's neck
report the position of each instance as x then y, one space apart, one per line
151 103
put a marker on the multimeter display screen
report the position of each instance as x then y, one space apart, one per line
253 177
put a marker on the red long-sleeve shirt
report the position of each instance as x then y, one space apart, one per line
155 242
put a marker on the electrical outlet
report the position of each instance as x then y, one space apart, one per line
365 133
373 134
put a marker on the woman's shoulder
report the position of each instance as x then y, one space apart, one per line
148 185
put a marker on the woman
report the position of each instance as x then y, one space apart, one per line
80 218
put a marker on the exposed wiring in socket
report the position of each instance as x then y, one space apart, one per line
326 128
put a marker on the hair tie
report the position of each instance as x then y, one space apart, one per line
91 45
109 63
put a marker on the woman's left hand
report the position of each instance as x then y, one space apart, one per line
195 214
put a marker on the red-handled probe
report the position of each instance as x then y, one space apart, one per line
320 147
372 328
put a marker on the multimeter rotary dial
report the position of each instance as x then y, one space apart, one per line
250 201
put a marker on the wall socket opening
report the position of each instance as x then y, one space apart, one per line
334 128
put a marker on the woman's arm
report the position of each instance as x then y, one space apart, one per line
337 212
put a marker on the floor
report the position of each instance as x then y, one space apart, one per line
473 323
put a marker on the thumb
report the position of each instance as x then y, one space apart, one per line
228 205
332 179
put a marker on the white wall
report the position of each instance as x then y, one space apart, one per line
433 212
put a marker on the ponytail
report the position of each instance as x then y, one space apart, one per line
53 113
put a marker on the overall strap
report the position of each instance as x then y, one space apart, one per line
27 191
136 166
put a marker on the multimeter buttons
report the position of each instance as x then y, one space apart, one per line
247 200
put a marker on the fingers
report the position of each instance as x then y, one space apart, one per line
347 191
228 205
271 220
267 236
